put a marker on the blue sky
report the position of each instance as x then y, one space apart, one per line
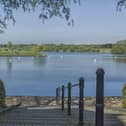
96 21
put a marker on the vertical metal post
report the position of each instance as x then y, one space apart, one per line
81 102
56 96
62 97
99 118
59 90
69 98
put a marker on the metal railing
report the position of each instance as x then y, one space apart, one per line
99 114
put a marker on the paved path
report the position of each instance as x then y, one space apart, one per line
51 117
35 117
109 119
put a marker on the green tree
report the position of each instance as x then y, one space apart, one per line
119 47
36 48
124 96
10 45
121 4
47 9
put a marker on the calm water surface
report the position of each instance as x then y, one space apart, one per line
40 76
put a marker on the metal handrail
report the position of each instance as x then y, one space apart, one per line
75 85
81 95
99 118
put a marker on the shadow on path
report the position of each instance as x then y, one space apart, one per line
113 120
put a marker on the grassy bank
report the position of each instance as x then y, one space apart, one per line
21 53
24 51
35 49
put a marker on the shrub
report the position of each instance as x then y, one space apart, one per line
2 94
124 96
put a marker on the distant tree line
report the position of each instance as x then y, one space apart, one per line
57 47
117 48
73 48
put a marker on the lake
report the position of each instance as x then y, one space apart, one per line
40 76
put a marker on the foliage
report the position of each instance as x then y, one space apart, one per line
20 53
2 94
124 96
72 48
120 4
121 42
20 50
47 9
119 47
9 45
34 49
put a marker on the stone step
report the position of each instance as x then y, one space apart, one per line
37 119
35 124
41 121
26 117
51 117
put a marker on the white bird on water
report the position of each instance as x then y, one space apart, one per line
10 60
95 60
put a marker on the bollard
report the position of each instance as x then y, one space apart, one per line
62 97
99 118
81 102
59 91
56 96
69 98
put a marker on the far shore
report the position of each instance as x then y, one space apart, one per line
109 101
23 54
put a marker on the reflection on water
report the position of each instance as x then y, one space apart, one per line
39 61
9 62
120 58
41 75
